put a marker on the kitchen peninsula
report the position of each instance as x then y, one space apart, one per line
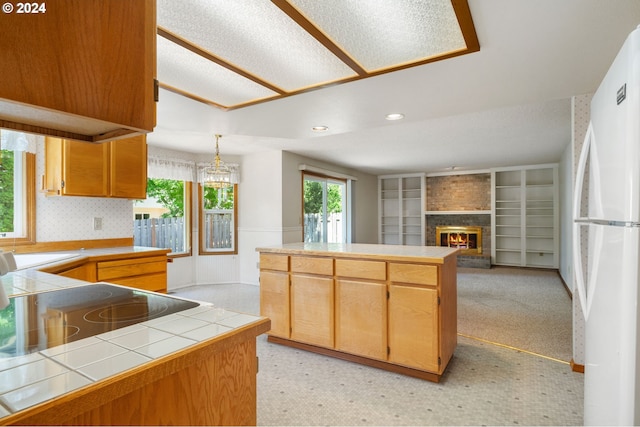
188 363
387 306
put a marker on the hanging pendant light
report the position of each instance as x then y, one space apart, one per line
220 175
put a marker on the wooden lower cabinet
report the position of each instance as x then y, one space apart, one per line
274 297
312 310
148 273
413 326
398 314
361 318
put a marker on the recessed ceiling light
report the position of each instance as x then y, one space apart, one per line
394 116
320 128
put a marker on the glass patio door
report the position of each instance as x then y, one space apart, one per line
325 213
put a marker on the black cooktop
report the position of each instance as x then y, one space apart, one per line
39 321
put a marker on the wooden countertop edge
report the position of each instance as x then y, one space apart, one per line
359 255
56 411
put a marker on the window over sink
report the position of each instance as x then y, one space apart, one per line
162 219
17 190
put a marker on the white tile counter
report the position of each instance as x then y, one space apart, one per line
38 377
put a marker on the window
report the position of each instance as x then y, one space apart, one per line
218 220
325 212
17 194
162 219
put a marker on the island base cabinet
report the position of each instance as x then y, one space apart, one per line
361 318
413 326
274 301
312 308
393 309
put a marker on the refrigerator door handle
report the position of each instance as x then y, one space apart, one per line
607 222
578 220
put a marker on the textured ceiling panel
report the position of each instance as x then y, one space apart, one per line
182 69
381 34
255 36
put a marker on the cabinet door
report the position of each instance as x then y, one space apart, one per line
312 310
274 301
86 65
128 167
413 326
85 169
361 318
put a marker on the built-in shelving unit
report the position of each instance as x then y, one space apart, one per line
524 220
401 207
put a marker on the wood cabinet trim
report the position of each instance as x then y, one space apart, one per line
312 265
361 269
274 262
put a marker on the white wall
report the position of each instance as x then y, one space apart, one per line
565 172
260 210
581 115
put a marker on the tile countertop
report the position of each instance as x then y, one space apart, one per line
41 259
38 377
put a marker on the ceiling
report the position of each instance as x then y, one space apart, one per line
506 104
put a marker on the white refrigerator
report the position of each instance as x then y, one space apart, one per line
606 244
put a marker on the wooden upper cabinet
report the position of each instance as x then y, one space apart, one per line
111 169
74 168
82 69
128 168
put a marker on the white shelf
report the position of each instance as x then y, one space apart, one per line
401 198
524 220
457 212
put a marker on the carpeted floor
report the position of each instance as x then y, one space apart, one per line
485 383
524 308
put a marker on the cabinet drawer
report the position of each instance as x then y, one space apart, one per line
311 265
274 262
420 274
374 270
131 267
156 282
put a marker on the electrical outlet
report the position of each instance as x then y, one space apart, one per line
97 223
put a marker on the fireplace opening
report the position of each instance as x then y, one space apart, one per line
467 239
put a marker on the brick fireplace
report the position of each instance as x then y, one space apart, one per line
455 201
